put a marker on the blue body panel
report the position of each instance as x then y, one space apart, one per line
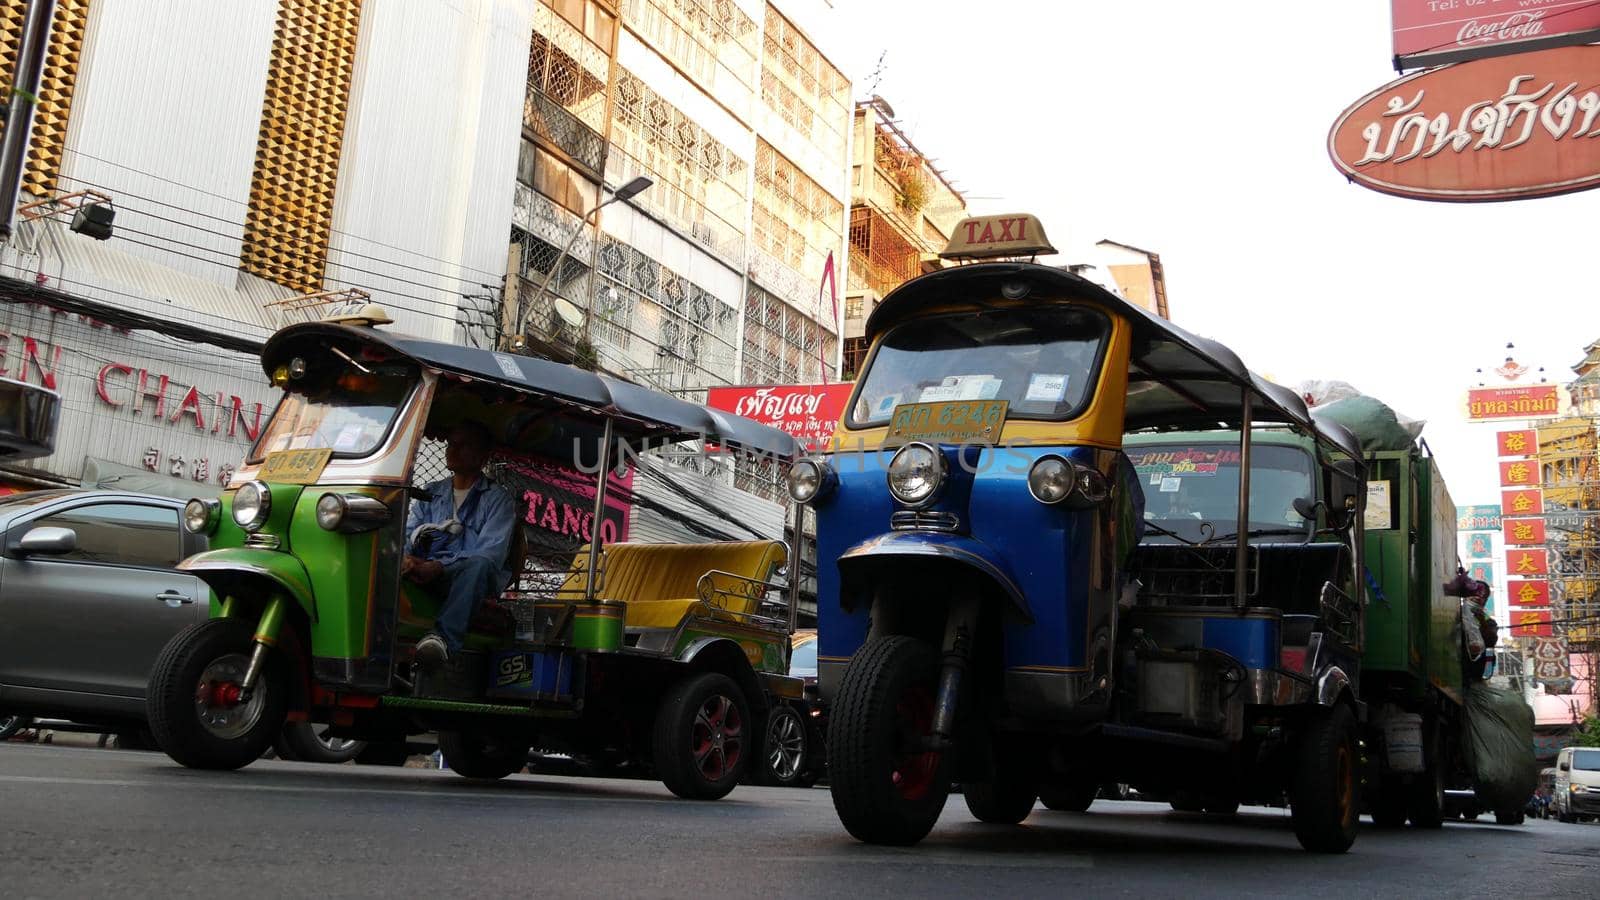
1047 550
1252 639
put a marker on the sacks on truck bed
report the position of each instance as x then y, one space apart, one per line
1499 746
1374 423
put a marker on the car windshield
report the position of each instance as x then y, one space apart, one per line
350 414
803 662
1187 486
1042 362
1586 760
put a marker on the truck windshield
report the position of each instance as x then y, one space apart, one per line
350 414
1586 760
1187 486
1042 362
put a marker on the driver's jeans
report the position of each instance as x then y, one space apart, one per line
465 583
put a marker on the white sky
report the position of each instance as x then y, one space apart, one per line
1198 131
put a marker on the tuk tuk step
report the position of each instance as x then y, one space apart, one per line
500 709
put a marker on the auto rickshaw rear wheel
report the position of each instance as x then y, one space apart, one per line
1322 797
703 739
475 754
1003 801
888 787
1075 796
196 705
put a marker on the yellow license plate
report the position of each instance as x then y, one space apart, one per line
948 422
294 466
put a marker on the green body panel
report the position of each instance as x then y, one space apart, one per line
343 570
1410 631
279 567
597 629
764 650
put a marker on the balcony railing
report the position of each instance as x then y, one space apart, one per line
565 130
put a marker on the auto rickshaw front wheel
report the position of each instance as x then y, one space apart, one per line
888 784
703 737
473 754
1322 797
198 710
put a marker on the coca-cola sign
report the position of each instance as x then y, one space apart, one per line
1494 129
807 412
1432 32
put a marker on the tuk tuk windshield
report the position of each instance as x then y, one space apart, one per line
349 413
1042 361
1190 485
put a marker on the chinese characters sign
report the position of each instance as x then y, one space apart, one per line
1524 531
1528 562
1481 571
1529 593
1525 502
1479 546
1519 473
1530 622
1524 442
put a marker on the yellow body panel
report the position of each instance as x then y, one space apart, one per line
661 582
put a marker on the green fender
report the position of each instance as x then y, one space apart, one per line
232 570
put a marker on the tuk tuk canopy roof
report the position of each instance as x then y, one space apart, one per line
1176 380
638 412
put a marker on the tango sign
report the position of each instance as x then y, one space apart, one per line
1492 129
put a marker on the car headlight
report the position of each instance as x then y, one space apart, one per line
251 506
350 513
201 516
1054 479
916 473
810 479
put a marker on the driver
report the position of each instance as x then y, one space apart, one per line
465 564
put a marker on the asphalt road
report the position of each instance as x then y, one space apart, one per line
83 822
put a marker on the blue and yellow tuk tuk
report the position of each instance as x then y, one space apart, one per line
998 609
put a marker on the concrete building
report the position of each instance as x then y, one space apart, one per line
902 209
1137 275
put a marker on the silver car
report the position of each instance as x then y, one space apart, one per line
88 598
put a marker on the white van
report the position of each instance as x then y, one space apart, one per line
1577 793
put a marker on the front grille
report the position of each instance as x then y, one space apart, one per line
924 520
259 541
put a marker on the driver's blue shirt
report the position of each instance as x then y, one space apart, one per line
488 516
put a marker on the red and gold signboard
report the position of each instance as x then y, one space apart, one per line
1524 532
1494 129
1532 402
1528 593
1519 473
1524 502
808 412
1527 562
1524 442
1431 32
1530 622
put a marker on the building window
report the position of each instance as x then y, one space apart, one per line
855 355
852 307
564 67
796 221
782 346
588 17
712 41
802 87
544 172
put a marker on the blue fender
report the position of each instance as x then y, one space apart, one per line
910 545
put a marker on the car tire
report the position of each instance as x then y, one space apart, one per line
786 751
11 726
304 742
207 658
1003 801
481 756
383 753
882 792
1323 803
702 742
1068 797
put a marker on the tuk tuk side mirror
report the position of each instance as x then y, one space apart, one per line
48 539
1307 508
1566 767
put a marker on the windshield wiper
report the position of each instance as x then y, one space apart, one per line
1260 532
1152 526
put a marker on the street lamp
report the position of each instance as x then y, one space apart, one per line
627 192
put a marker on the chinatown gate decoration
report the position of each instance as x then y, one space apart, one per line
1492 129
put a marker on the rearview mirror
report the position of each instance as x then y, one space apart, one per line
49 539
1307 508
1566 767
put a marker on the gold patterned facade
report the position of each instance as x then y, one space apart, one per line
290 219
49 138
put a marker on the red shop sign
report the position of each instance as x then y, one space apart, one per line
1525 502
1524 531
1527 562
1529 593
807 412
1430 32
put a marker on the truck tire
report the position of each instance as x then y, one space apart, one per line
883 792
703 737
1390 802
1425 798
194 704
1322 797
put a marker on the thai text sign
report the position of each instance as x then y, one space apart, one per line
1494 129
1524 502
1431 32
1530 622
1529 593
1528 562
807 412
1519 473
1522 442
1532 402
1478 518
1524 531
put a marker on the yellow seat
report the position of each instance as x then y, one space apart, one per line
661 582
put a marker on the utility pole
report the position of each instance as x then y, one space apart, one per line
22 100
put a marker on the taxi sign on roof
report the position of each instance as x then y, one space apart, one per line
985 237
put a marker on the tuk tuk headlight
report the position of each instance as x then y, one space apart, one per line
810 479
1051 479
350 513
916 473
201 516
251 506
